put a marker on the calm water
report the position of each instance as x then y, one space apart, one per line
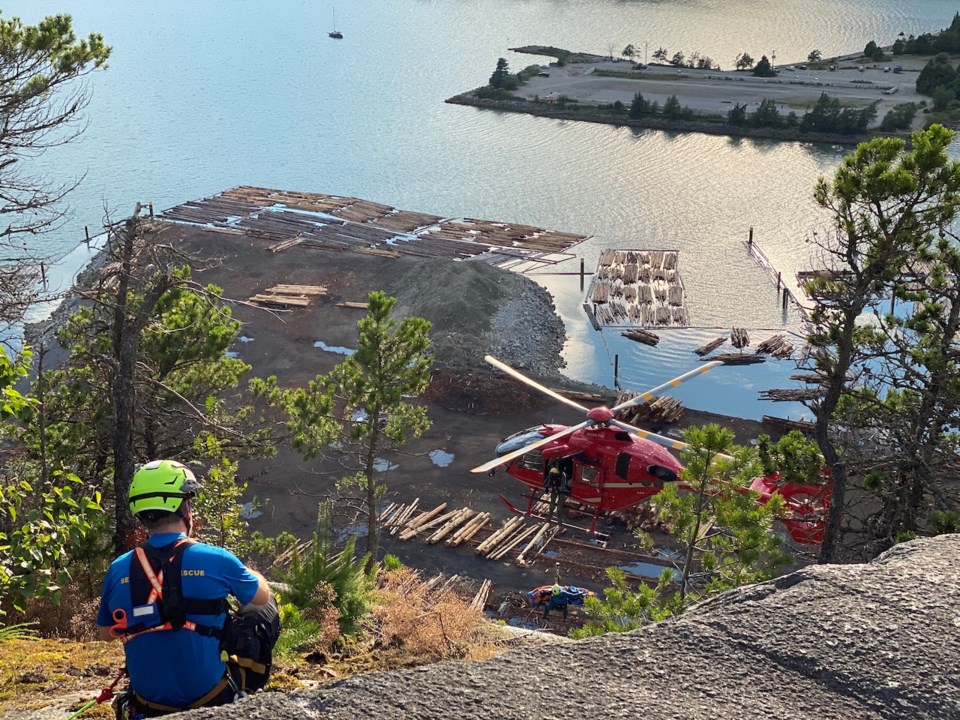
202 95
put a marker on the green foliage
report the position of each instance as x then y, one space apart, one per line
219 506
738 114
327 577
726 532
264 550
814 56
502 71
743 61
20 631
945 522
794 456
938 73
638 107
766 115
623 609
660 54
677 59
763 68
391 563
672 108
873 51
828 116
42 521
899 117
299 631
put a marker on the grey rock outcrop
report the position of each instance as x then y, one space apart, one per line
880 640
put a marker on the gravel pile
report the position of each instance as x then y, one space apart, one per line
477 309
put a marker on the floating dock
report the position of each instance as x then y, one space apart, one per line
637 288
283 219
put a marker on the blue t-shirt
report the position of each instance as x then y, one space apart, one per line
177 667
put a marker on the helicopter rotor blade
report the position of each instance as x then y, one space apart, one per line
659 439
534 384
503 459
643 397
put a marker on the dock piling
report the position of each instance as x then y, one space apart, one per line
750 238
581 274
616 371
86 231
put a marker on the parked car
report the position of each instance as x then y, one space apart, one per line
543 73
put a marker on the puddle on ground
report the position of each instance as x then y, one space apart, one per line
441 458
381 465
245 339
648 570
250 511
232 354
356 530
333 348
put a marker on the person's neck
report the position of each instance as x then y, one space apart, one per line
177 527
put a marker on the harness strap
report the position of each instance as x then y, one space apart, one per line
216 690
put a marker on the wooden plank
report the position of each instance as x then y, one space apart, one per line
298 290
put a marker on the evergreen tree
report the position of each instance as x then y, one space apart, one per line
499 74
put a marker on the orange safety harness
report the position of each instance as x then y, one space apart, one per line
156 580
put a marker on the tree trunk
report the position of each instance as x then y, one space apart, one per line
373 516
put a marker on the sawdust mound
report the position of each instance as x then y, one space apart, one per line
477 309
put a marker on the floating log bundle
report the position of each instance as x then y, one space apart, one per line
778 346
642 336
790 394
710 346
637 288
736 358
739 338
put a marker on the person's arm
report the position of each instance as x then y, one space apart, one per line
262 596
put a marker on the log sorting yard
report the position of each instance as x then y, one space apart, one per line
602 80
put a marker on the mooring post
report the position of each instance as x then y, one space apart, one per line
86 231
778 281
616 371
43 274
786 294
750 238
581 274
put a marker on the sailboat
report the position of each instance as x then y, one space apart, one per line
335 33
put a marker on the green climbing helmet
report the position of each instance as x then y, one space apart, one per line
162 485
556 589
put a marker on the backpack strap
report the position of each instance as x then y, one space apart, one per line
156 578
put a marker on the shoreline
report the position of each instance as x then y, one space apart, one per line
664 124
591 88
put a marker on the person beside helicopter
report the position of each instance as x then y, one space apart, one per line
557 483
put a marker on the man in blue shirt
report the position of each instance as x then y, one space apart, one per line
167 601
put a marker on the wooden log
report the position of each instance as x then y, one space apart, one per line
512 542
280 300
507 527
414 526
521 558
298 290
454 522
468 529
386 513
784 424
404 516
431 524
353 305
710 346
479 601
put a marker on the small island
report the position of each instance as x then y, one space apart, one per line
842 100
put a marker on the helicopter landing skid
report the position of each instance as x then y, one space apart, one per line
592 530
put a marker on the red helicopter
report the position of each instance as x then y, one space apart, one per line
613 465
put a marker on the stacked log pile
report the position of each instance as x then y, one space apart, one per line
287 296
641 517
659 409
778 346
739 338
637 287
479 601
790 394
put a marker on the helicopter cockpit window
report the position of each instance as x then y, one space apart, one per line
623 465
532 461
589 475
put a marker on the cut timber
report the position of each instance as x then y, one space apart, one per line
736 358
402 516
479 601
538 538
354 305
642 336
784 424
468 530
280 300
284 245
415 525
511 543
790 394
739 338
298 290
710 346
456 521
778 346
408 533
507 528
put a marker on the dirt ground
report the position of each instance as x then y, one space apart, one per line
797 87
471 408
